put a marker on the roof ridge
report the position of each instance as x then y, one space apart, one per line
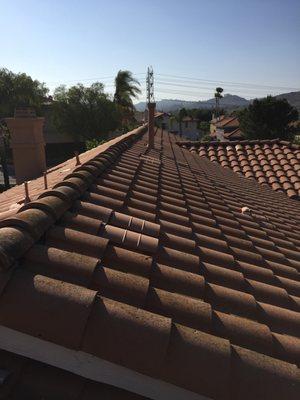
20 232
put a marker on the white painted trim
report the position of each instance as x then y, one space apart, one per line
91 367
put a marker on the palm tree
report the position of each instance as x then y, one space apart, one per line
218 96
126 88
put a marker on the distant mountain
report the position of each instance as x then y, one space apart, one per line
293 98
228 102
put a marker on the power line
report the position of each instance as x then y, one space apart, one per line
185 80
210 88
229 82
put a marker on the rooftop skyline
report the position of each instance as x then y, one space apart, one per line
250 49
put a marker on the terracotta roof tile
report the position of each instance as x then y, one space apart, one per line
192 351
154 264
144 335
260 160
32 311
259 376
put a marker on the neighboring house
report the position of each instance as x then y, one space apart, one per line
225 128
155 271
139 116
162 120
189 127
213 123
236 134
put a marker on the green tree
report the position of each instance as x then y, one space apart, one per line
126 88
201 114
268 118
19 90
204 128
85 112
206 138
182 113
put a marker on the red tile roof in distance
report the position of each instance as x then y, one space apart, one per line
237 134
227 122
274 163
164 263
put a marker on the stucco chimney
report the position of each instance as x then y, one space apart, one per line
27 143
151 110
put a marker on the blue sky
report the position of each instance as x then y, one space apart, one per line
252 45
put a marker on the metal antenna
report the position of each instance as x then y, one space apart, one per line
150 85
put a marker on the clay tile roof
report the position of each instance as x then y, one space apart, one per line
228 122
273 158
236 134
156 273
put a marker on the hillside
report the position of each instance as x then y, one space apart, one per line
168 105
293 98
228 102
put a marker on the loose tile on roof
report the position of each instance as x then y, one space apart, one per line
149 259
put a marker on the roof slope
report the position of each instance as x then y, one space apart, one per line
274 163
144 259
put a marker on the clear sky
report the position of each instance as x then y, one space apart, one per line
231 43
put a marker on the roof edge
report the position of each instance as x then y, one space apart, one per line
91 367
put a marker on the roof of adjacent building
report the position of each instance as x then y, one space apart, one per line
236 134
163 263
215 119
227 122
274 163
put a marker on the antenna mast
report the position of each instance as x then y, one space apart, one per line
150 85
151 106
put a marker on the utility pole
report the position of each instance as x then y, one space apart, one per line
151 105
